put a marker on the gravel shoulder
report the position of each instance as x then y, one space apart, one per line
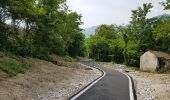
152 86
46 81
149 86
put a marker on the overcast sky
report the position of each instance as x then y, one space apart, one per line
96 12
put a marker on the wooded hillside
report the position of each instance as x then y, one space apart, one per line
39 28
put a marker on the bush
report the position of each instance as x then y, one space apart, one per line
40 52
20 46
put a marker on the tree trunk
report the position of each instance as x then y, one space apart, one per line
125 54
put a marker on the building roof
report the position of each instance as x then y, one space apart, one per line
160 54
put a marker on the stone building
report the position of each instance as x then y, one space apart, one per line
154 60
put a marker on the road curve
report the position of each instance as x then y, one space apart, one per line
113 86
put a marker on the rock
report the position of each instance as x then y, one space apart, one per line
88 69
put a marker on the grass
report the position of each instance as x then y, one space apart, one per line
133 68
69 59
13 65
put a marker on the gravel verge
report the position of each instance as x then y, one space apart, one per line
151 86
79 80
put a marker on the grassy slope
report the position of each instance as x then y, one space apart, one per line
12 64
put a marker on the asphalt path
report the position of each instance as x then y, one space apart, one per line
114 86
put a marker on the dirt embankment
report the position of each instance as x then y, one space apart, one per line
46 81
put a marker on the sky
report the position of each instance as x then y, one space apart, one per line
96 12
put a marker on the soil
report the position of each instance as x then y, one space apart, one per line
46 81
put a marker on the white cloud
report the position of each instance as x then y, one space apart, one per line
154 10
97 12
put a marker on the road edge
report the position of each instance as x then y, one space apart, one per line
132 91
79 93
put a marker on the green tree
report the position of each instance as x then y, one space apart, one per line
40 28
141 28
70 28
162 35
3 27
105 44
107 31
141 32
98 48
116 48
166 4
76 47
125 32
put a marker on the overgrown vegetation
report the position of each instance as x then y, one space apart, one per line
125 44
12 64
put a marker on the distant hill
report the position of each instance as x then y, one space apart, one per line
162 16
89 31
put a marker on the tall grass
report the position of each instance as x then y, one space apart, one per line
13 65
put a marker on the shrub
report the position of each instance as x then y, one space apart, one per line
20 46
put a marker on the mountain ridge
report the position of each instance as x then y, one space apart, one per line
89 31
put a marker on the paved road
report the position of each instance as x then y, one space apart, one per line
114 86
